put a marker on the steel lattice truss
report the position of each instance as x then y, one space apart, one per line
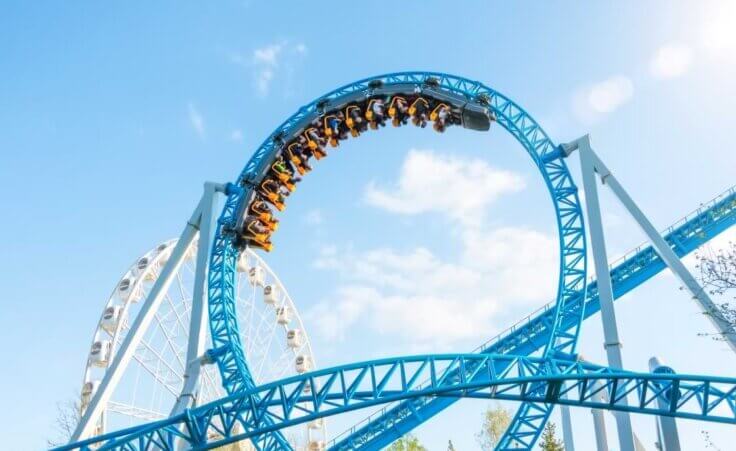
631 271
544 153
355 386
503 369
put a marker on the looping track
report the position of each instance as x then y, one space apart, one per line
259 412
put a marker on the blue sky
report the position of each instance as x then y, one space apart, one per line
112 117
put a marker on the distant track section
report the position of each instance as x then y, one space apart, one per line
532 333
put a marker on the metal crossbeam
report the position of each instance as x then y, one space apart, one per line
627 273
509 115
359 385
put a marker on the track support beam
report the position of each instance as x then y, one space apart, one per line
669 438
198 322
122 358
605 288
709 308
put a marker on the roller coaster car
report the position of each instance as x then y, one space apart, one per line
438 110
374 120
279 171
256 230
395 106
266 246
332 129
419 106
470 115
330 126
270 192
353 120
475 117
312 137
259 208
295 156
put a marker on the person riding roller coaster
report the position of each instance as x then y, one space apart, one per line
354 120
334 128
376 113
441 116
256 233
398 111
283 172
260 209
315 142
419 112
299 157
274 192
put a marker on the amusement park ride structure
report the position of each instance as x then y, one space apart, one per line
535 362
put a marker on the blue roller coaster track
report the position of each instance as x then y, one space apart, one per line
489 376
510 367
546 156
528 336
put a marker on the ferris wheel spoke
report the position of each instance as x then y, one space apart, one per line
176 351
150 388
181 321
263 320
133 411
159 361
267 348
156 376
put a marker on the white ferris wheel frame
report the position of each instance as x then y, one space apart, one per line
163 265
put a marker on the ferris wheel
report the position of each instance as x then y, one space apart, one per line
274 339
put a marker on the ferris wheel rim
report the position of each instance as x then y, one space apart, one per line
156 257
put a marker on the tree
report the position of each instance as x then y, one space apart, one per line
549 439
67 417
409 442
495 421
708 442
718 276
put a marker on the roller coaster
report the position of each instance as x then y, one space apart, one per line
535 362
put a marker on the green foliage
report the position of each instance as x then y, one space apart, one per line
407 443
549 439
495 421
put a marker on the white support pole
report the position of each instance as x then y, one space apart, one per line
669 438
599 426
605 289
115 371
724 328
599 423
567 437
198 320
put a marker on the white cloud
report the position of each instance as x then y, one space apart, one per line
417 298
267 55
593 101
314 217
268 60
718 33
608 95
671 61
236 136
301 48
196 120
456 187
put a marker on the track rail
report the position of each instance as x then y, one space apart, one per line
514 119
359 385
531 333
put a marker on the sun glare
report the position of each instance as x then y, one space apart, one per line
719 29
